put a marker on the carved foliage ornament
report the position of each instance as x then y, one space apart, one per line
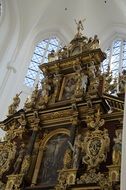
90 177
98 178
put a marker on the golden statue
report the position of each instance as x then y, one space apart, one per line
17 165
122 81
116 155
79 25
31 101
13 107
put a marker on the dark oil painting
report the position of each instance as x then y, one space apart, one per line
52 159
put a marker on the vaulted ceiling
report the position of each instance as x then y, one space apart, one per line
102 17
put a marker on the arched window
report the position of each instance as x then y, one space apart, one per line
116 58
40 55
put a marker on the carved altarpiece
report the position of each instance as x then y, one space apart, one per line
68 135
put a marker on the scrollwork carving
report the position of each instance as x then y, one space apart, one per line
92 177
95 121
95 147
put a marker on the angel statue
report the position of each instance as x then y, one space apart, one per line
79 25
117 148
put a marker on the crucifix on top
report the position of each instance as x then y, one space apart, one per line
79 25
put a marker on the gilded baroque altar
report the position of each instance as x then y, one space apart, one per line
68 135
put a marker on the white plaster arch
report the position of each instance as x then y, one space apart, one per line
9 44
24 56
111 33
8 49
12 32
32 41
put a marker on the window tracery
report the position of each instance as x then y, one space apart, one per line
115 63
116 58
40 55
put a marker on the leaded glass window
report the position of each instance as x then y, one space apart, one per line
116 58
40 55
